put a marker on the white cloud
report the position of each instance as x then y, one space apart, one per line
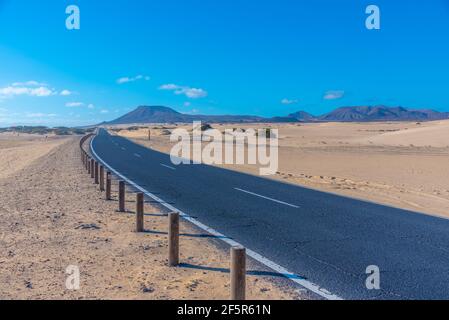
187 104
104 111
192 93
13 90
334 95
42 92
90 106
170 86
41 115
289 101
132 79
123 80
66 92
74 104
28 88
31 83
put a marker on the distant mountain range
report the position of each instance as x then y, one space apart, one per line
160 114
377 113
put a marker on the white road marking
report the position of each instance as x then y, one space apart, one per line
164 165
267 198
124 149
137 155
265 261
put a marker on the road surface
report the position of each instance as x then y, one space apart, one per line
326 239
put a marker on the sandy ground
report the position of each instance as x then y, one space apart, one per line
399 164
53 216
18 151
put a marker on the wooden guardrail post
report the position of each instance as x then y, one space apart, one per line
96 173
84 156
92 168
121 196
139 212
108 186
173 239
88 165
238 273
101 178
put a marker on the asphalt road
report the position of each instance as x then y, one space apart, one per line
327 239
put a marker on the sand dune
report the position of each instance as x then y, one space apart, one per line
432 134
19 151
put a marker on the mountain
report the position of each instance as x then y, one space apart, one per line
156 114
302 116
381 113
160 114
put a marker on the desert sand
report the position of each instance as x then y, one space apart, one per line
401 164
53 216
18 151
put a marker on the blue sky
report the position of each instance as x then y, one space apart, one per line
218 57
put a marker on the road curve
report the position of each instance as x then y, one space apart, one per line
328 240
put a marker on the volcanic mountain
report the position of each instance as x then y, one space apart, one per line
381 113
302 116
161 114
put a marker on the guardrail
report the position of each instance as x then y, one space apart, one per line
238 254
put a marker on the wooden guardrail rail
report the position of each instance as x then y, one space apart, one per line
238 254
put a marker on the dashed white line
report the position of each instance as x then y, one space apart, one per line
171 168
267 198
124 149
137 155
